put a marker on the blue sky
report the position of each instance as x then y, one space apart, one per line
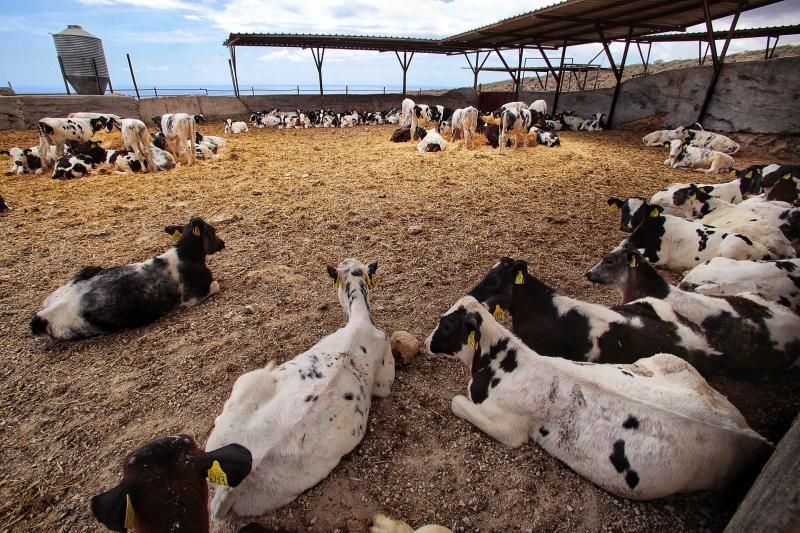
179 42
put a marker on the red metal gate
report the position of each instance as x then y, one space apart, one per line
491 101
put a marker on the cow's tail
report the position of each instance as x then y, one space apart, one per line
191 141
44 146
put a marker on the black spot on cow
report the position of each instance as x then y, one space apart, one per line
348 396
309 398
495 382
648 236
543 432
631 422
788 266
745 239
784 301
701 245
632 479
795 280
618 458
552 392
627 373
136 165
509 362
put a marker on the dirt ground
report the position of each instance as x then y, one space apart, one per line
288 203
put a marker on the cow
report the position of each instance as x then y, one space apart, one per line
757 338
164 487
100 300
642 431
57 131
432 142
682 155
178 130
404 134
299 419
235 128
516 122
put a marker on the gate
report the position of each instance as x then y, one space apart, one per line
491 101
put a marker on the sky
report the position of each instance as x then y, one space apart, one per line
179 42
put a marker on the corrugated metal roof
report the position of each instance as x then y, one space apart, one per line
580 21
566 23
766 31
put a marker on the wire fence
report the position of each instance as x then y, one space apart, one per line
156 92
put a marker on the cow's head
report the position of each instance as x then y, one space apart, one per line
159 141
199 119
458 333
648 234
632 210
99 123
496 289
197 231
157 122
350 277
164 487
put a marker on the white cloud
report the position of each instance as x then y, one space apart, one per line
163 37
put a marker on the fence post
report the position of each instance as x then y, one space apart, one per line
345 90
298 89
136 87
253 90
155 91
97 77
384 89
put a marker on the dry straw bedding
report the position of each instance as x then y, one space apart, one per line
287 203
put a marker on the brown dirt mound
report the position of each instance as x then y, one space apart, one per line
288 203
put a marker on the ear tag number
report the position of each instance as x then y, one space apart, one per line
128 512
471 341
520 279
216 475
498 313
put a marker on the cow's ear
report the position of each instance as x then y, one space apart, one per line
520 271
113 508
706 189
228 465
615 204
6 152
656 210
175 231
334 274
372 268
198 227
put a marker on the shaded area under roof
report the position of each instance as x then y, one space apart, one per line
589 21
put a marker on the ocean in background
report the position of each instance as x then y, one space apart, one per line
227 90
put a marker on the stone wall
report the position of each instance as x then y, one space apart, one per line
23 112
754 97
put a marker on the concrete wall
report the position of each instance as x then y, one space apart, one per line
756 97
23 112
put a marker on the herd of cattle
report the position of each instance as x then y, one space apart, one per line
619 394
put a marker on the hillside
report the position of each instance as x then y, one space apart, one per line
606 78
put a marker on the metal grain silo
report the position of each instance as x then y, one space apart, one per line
83 60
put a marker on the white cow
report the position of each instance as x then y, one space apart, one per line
179 133
235 128
682 155
137 139
432 142
516 122
301 418
465 122
641 431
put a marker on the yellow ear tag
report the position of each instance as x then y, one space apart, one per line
749 175
336 283
633 263
520 279
216 475
654 213
369 280
733 173
693 196
177 236
613 208
471 341
786 176
128 512
498 313
196 231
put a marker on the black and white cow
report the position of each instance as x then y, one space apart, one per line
596 123
136 139
545 137
178 130
73 166
517 123
777 281
632 211
57 131
27 160
683 155
100 300
674 197
432 142
755 336
559 326
677 243
641 431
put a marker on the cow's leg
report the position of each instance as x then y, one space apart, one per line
507 428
